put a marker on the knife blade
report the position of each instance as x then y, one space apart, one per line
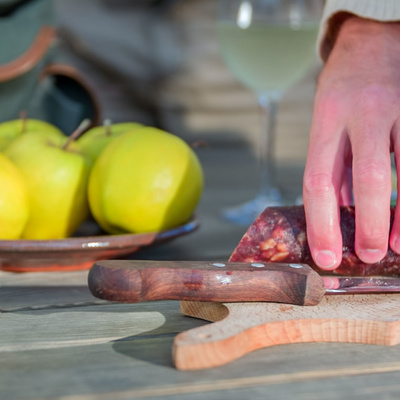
361 284
135 281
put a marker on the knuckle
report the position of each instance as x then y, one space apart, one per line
328 104
374 100
373 234
317 183
376 235
372 174
367 100
372 97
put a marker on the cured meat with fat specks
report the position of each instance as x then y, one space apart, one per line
279 235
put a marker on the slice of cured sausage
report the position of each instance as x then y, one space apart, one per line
279 235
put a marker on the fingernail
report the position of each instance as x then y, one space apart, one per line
325 259
396 246
371 256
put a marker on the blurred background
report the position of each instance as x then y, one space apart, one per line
158 62
152 61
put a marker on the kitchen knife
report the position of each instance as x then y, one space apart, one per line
136 281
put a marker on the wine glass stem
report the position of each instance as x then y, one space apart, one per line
268 107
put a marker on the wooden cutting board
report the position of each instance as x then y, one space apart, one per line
239 328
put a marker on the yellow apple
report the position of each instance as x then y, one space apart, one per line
10 130
145 180
14 209
96 139
56 181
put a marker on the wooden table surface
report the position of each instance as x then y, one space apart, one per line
59 342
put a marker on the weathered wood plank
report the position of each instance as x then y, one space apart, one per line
142 368
45 279
54 327
41 290
366 387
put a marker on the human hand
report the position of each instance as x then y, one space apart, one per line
355 127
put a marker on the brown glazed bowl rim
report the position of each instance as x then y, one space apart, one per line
81 251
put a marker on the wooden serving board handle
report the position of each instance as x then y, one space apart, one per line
240 328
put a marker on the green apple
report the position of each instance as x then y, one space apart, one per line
145 180
56 175
14 209
96 139
10 130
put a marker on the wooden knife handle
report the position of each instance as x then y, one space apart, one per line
136 281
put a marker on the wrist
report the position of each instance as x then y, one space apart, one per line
356 33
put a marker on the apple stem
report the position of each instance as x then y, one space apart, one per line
107 125
78 132
23 117
198 143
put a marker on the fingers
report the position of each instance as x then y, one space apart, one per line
395 234
321 186
330 282
370 141
346 191
327 181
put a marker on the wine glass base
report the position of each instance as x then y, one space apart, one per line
245 214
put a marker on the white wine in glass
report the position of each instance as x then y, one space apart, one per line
268 45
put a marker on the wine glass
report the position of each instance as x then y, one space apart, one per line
268 45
